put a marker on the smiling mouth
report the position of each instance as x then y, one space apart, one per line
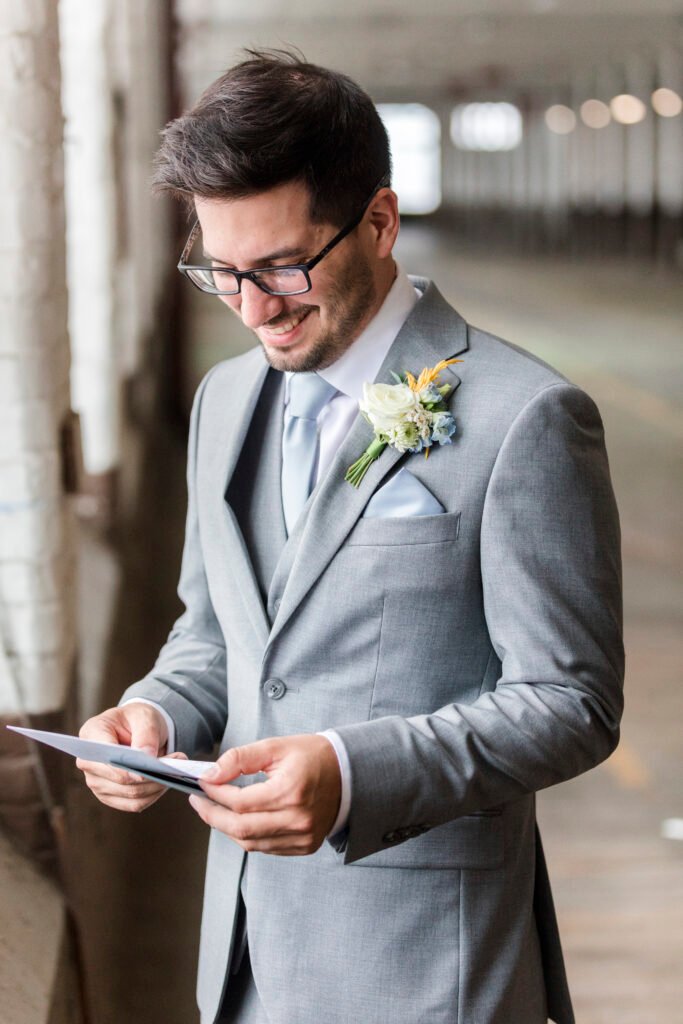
287 326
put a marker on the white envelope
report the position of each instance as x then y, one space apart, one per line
171 771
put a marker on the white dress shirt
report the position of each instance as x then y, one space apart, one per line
359 363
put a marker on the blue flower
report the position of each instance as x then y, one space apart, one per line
443 426
430 394
421 444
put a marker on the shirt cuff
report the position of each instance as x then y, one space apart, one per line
170 725
345 772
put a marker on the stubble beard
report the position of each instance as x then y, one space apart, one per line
348 308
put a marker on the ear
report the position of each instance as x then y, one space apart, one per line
383 220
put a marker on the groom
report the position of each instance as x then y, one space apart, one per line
391 670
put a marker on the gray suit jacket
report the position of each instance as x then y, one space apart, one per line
467 660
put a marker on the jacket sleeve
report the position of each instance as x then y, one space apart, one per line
188 679
551 578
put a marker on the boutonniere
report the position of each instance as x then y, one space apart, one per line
410 415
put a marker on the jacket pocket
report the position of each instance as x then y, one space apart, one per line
474 841
405 530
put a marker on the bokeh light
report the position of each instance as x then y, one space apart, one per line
627 109
560 119
666 102
595 114
488 127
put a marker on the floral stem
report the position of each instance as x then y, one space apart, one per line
357 471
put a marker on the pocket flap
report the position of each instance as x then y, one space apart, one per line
473 841
405 530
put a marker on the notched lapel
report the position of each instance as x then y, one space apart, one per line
233 426
432 332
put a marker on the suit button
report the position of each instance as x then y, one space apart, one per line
276 605
275 689
413 831
398 835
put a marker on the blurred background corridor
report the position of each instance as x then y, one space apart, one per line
538 150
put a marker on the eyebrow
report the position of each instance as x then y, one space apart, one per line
279 254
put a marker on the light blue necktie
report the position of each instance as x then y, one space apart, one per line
308 393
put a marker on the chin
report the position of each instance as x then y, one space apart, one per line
314 356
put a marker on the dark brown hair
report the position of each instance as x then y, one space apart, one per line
272 119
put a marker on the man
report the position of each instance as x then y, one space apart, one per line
407 661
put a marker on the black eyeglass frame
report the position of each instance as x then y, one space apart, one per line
254 274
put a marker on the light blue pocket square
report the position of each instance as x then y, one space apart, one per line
402 495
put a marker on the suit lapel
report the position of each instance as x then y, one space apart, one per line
254 492
432 332
239 408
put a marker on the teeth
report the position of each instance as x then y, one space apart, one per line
289 326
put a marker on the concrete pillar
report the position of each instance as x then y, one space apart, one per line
610 146
669 180
115 95
668 162
640 139
37 631
90 175
583 173
143 84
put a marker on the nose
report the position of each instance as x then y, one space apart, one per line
256 307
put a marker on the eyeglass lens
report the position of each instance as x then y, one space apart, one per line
275 281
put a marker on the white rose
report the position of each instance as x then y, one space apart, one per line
386 405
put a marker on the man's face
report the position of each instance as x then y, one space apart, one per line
297 332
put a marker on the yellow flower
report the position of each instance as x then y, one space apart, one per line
428 376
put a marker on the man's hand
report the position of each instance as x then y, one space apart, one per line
134 725
291 812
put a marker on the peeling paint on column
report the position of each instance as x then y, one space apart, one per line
36 532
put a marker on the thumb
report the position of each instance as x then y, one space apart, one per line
254 757
144 735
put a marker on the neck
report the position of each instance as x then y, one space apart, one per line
385 277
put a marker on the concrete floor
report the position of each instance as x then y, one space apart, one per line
614 329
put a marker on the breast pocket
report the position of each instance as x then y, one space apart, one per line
414 567
405 530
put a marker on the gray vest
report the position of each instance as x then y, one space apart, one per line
255 495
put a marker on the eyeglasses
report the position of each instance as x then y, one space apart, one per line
293 279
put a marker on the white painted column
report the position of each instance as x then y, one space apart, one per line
640 140
610 147
669 131
143 266
36 545
86 35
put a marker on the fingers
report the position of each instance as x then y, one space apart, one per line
134 802
289 814
133 725
248 760
260 796
117 775
108 772
148 728
109 727
241 826
286 833
130 794
125 795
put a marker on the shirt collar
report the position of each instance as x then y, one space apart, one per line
363 358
